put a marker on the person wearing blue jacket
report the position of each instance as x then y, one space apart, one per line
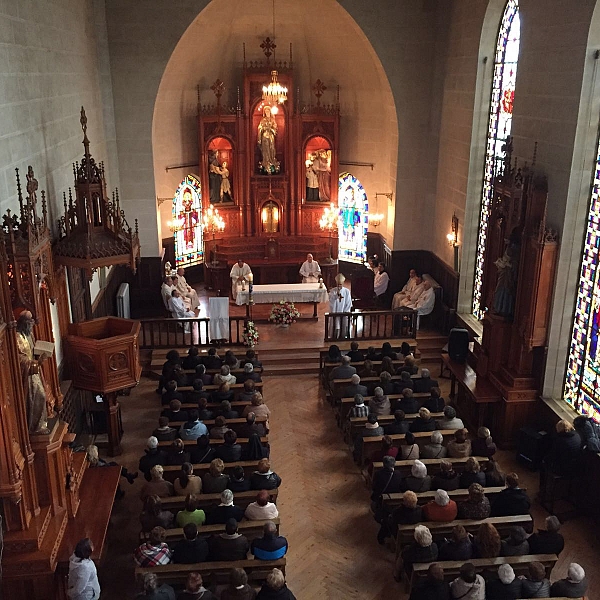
192 429
271 546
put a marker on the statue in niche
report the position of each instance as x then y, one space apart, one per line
225 191
312 181
322 163
31 375
506 284
267 132
214 177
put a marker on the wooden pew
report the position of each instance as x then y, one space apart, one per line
251 529
214 572
358 365
344 346
371 444
208 501
233 424
520 565
236 387
171 472
392 501
355 425
432 464
213 442
237 405
345 404
337 386
405 533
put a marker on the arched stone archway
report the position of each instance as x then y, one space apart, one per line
327 44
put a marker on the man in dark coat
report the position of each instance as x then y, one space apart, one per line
399 425
387 480
433 587
212 361
548 541
344 371
152 457
425 383
192 549
511 501
354 388
574 586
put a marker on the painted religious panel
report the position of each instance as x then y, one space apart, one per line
220 170
353 217
187 223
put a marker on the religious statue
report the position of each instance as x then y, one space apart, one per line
506 284
322 165
312 182
214 178
267 132
225 191
31 375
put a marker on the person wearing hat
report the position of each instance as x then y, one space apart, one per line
239 271
506 587
340 301
441 508
574 586
153 456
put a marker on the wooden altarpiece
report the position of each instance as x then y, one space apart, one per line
519 270
271 215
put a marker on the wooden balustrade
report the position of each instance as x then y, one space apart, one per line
178 333
371 325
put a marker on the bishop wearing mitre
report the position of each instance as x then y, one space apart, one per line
239 271
187 291
310 270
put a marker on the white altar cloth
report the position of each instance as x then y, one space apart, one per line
288 292
218 313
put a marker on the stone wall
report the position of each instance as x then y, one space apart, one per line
53 60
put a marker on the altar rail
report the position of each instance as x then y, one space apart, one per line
174 333
371 325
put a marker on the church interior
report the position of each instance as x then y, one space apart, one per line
324 254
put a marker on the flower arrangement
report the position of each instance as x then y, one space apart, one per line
250 335
284 313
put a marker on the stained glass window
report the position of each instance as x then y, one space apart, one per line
582 381
499 125
187 223
353 209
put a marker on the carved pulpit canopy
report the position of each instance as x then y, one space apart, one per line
27 243
93 232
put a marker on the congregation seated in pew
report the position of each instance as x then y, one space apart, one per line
157 486
177 453
476 506
190 513
450 420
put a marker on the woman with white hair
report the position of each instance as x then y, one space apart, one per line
574 586
275 588
418 480
423 422
422 550
436 448
225 511
506 587
379 405
441 508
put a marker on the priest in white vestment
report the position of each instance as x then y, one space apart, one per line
180 311
187 291
409 286
426 301
165 291
310 270
239 271
340 301
414 295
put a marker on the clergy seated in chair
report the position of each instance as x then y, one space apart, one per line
425 303
166 291
310 270
186 291
405 298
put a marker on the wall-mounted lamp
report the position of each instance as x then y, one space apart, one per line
376 218
388 195
452 238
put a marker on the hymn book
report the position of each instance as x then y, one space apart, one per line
43 349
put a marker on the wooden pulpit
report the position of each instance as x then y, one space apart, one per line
104 358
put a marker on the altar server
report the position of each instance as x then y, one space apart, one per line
166 290
187 291
381 282
310 270
239 271
340 301
409 286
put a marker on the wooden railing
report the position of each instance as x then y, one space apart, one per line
371 325
174 333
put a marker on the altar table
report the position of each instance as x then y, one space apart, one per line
288 292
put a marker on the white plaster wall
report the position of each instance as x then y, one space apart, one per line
211 48
53 60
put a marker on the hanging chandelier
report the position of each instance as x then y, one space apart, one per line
274 93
